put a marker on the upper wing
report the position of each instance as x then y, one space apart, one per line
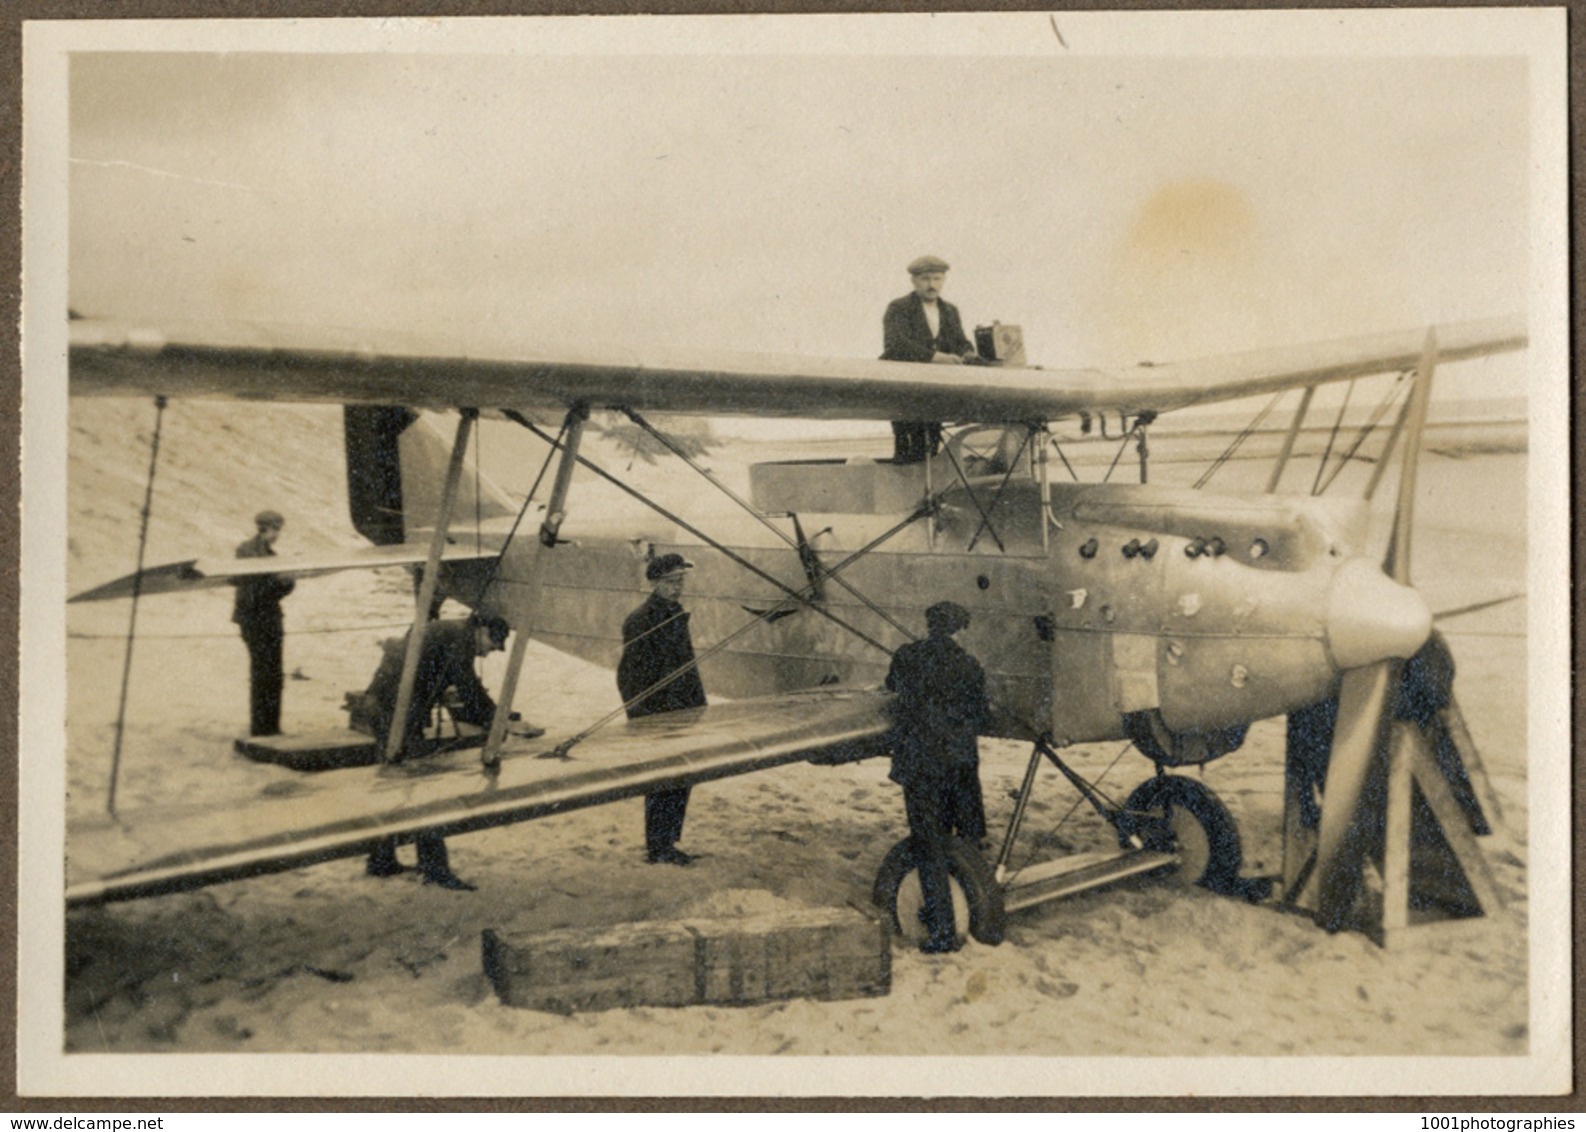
207 573
293 364
343 813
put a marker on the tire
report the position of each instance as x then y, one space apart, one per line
977 899
1174 814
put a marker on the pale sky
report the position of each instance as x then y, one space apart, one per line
1119 208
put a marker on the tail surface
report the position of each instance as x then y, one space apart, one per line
396 469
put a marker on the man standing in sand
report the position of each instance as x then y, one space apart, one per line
923 327
257 612
657 673
939 711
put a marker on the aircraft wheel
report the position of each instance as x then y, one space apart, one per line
1171 814
977 900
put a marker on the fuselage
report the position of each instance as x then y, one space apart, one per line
1094 607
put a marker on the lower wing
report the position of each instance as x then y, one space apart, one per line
345 813
207 573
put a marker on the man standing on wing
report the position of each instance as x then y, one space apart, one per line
938 713
923 327
657 673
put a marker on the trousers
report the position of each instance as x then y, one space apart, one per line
434 861
664 811
265 678
926 804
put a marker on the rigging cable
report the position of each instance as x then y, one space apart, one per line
1234 444
1122 444
560 751
985 520
678 451
1331 437
550 455
1079 801
1058 448
1366 430
137 590
973 498
703 537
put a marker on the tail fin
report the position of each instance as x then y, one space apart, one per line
396 470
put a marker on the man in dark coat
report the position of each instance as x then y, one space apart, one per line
939 711
923 327
445 671
257 612
657 673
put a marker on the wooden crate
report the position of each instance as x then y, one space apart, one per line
815 953
645 964
820 953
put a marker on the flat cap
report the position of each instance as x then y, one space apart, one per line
926 264
667 564
946 617
269 519
497 627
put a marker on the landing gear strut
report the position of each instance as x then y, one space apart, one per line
1167 821
1174 814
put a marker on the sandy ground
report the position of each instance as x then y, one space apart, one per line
325 959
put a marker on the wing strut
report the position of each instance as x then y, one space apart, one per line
137 589
1288 440
555 513
427 584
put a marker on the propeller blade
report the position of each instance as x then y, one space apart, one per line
1397 561
1477 607
1342 841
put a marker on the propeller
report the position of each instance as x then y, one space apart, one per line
1365 700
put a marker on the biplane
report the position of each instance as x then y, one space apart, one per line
1168 616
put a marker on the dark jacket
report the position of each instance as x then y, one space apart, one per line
446 661
258 604
655 644
906 336
939 709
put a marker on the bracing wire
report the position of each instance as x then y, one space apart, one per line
1063 819
1058 448
1365 431
1122 444
1233 446
1332 437
677 450
550 455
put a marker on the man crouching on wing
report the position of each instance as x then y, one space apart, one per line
445 674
